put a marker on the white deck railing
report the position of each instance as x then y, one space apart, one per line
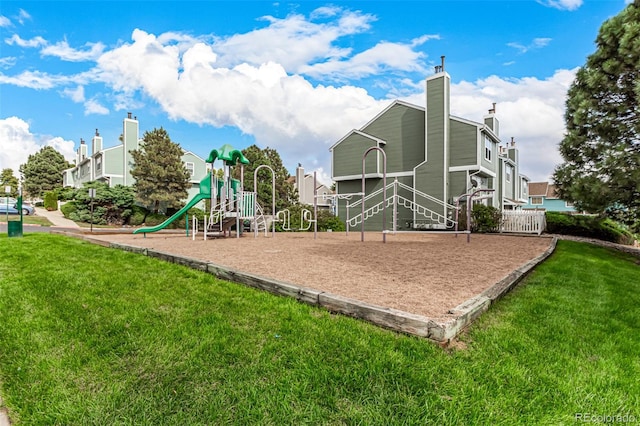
523 221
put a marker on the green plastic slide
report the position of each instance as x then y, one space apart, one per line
195 200
204 194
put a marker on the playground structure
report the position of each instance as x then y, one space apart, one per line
230 206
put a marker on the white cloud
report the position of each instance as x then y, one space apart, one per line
8 61
382 57
63 51
536 43
292 42
92 106
34 42
76 95
529 109
17 143
23 15
562 4
4 21
33 80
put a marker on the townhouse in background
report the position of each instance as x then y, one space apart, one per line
113 165
435 158
544 196
303 183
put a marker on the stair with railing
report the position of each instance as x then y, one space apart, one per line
432 219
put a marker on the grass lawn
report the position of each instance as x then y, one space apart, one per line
90 335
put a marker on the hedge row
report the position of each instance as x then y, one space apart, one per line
588 226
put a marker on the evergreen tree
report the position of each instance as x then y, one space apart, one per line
285 192
161 177
43 171
601 149
8 179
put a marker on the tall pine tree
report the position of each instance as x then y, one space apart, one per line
601 149
8 179
43 171
161 177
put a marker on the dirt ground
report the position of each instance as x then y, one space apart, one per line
420 273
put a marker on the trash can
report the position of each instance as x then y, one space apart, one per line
14 227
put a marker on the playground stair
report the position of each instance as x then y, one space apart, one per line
395 199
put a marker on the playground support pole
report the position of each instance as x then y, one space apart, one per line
395 204
347 222
315 206
384 191
239 201
273 198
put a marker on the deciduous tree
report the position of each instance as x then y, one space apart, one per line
601 149
285 192
161 177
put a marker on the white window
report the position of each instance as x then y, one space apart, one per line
524 188
488 148
568 204
536 200
190 168
99 163
508 173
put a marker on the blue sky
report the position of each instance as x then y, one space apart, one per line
294 76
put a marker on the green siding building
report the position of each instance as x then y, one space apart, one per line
433 158
113 165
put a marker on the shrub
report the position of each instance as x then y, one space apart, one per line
485 218
154 219
51 200
137 216
327 220
588 226
68 208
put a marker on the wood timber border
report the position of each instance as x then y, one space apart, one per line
441 332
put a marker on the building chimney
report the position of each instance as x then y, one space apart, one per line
493 110
97 133
439 68
513 142
129 115
81 141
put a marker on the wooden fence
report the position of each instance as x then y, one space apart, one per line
523 221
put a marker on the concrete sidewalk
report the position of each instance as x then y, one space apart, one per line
4 418
56 218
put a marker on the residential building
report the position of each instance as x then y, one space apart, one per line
432 159
113 165
544 196
304 184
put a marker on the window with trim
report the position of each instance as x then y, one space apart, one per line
524 188
568 204
190 168
508 173
488 148
536 200
99 163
